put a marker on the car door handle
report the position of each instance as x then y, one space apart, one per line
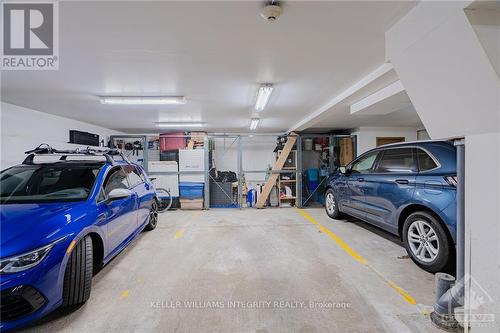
402 181
103 216
361 179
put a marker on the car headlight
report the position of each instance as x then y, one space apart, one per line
26 260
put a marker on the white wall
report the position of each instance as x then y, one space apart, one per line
482 217
257 154
451 76
23 129
367 136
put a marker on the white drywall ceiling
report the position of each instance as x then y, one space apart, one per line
214 53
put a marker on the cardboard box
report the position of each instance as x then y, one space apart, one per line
191 204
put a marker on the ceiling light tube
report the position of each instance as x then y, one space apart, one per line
263 96
143 100
254 123
179 125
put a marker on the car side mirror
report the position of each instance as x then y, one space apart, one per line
119 193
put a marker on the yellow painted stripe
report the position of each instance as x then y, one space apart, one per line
337 239
358 257
124 294
180 233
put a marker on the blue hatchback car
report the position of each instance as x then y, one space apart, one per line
408 189
62 221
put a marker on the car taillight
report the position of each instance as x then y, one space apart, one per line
452 180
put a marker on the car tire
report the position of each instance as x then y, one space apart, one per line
153 216
427 242
331 205
78 273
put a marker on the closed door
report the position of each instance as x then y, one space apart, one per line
120 214
141 188
388 140
390 185
357 172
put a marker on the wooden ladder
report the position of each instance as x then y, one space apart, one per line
278 165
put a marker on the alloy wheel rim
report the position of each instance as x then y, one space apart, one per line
153 215
330 203
423 241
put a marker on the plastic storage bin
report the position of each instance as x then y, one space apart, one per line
312 175
170 155
190 190
172 141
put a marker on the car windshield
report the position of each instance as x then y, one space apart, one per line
47 183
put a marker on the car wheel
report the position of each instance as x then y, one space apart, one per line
153 216
78 273
331 205
426 242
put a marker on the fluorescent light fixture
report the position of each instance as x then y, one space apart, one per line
254 123
143 100
179 125
263 95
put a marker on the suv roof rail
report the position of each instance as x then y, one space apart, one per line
46 150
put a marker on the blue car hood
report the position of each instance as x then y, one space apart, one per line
27 226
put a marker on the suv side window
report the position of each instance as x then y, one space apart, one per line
134 175
365 164
116 179
397 160
425 162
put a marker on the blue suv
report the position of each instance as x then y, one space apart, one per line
61 221
408 189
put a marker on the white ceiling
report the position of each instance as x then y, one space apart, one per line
214 53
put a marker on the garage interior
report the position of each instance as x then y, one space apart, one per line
261 112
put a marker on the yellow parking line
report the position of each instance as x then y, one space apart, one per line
358 257
179 233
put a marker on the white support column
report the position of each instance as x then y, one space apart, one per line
455 89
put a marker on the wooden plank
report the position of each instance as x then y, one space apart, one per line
278 165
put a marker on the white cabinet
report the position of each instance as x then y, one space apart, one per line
192 160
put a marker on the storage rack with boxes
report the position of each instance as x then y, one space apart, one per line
321 155
221 170
180 166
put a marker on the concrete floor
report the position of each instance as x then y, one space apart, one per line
255 271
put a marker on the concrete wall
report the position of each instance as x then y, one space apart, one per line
482 214
367 136
451 76
23 129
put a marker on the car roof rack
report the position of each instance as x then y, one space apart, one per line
46 150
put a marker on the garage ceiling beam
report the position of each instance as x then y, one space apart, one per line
365 81
383 94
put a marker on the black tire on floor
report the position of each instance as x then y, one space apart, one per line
78 274
332 207
153 216
441 242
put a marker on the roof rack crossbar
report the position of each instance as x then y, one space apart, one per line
45 149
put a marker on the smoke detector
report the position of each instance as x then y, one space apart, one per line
271 12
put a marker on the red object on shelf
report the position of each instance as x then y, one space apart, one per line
323 141
172 141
